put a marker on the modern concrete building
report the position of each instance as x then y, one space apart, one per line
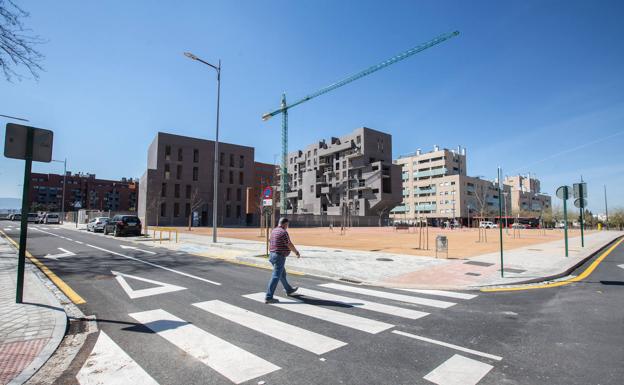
46 192
177 187
526 197
436 187
265 175
352 174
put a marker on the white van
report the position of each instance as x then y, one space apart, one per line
487 225
51 218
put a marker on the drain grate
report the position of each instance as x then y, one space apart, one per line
350 280
77 327
473 274
477 263
385 259
518 271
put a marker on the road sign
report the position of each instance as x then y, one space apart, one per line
267 193
77 204
563 192
267 202
580 189
16 139
580 203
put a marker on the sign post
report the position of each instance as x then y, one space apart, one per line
563 193
267 207
28 143
580 193
500 222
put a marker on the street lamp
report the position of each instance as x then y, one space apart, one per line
216 147
64 161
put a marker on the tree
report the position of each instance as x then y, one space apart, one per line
196 202
16 42
616 219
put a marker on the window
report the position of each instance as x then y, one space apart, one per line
179 171
239 194
176 190
358 139
241 178
163 190
179 154
188 191
231 177
315 152
221 159
163 210
344 164
167 152
241 161
176 209
195 173
312 188
195 155
187 209
228 211
220 176
228 194
231 160
238 211
167 171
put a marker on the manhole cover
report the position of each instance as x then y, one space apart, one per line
477 263
385 259
473 274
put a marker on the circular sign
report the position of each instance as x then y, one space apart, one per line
580 202
267 193
563 192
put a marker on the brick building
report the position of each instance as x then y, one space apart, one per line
265 174
46 192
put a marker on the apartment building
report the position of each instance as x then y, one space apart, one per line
436 187
526 198
177 186
46 192
265 174
352 174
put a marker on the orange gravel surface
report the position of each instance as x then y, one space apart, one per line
462 243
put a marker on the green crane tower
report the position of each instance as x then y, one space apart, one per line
284 107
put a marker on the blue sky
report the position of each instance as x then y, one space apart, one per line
533 86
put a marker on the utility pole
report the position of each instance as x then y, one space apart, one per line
606 207
500 229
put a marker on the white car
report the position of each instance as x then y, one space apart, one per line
487 225
97 224
52 218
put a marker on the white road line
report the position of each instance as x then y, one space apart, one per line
459 370
155 265
394 296
446 344
622 266
301 338
81 243
442 293
344 319
229 360
161 287
109 364
364 304
8 229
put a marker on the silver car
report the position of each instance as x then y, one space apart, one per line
97 224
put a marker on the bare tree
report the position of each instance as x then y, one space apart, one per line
154 206
196 202
481 195
16 42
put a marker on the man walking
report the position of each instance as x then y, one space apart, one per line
280 248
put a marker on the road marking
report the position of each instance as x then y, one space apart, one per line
459 370
109 364
344 319
442 293
621 266
8 229
590 269
79 242
155 265
229 360
161 287
301 338
364 304
136 248
65 288
394 296
65 253
446 344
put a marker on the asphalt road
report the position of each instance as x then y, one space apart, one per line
185 319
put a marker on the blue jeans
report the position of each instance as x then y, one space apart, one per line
279 274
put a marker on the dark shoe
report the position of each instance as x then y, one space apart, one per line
292 291
271 300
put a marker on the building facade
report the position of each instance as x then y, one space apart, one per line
177 187
265 174
353 175
527 200
46 192
436 188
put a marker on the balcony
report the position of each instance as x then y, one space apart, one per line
426 173
426 207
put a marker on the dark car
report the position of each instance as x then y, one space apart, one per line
123 225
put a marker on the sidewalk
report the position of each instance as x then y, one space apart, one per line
29 332
398 270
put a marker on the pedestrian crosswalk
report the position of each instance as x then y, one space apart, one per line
284 323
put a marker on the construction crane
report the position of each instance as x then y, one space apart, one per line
284 107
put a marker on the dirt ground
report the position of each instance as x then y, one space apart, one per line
462 243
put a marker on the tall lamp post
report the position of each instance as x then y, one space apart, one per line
64 161
216 147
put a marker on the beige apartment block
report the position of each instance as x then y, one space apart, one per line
526 198
436 188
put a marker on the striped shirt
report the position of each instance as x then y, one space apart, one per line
279 241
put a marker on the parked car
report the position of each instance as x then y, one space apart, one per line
33 217
41 217
487 225
16 217
518 226
560 225
123 225
97 224
52 218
